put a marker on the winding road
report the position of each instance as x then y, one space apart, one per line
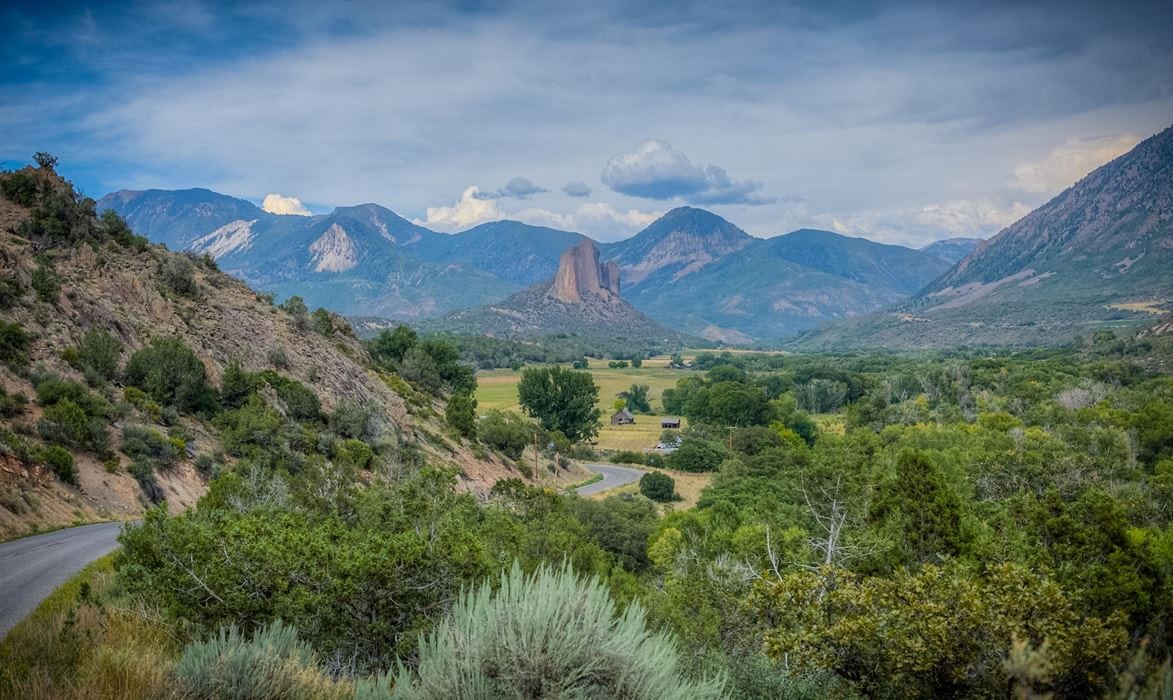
33 567
613 476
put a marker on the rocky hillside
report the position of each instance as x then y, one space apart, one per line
94 322
1100 253
582 299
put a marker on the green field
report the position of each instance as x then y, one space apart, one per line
498 389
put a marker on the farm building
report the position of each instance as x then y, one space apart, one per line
622 417
670 423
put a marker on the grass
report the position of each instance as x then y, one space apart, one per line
688 486
1148 307
594 478
86 641
497 389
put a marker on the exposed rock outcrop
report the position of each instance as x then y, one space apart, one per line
581 277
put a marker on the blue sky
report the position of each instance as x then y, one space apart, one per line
900 122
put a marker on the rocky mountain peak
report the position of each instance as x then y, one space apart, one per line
581 277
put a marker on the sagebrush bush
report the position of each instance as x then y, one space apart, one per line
141 442
551 634
177 274
274 664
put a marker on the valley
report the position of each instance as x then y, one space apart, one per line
586 351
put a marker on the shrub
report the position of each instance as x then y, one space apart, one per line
20 187
353 421
300 402
236 385
274 665
10 291
695 455
278 358
354 454
626 457
53 389
657 486
461 414
547 635
170 373
506 432
144 474
177 274
98 353
321 322
45 283
64 422
296 308
60 461
11 404
142 443
14 344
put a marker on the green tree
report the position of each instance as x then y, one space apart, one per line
696 455
636 398
657 486
99 353
561 399
170 373
392 346
461 414
921 510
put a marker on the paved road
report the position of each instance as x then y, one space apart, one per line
612 476
33 567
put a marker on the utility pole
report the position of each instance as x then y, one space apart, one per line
730 437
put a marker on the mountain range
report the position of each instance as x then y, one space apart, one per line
690 270
1098 254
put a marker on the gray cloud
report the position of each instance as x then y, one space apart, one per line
517 188
578 188
862 109
655 170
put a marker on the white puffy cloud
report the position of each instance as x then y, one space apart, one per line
598 220
1069 162
655 170
470 210
913 227
280 204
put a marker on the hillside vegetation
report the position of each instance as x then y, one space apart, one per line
131 375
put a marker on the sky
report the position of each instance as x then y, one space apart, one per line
901 122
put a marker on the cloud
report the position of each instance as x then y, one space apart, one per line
598 220
1069 162
578 188
470 210
517 188
280 204
914 227
655 170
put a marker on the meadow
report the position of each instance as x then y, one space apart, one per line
497 389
